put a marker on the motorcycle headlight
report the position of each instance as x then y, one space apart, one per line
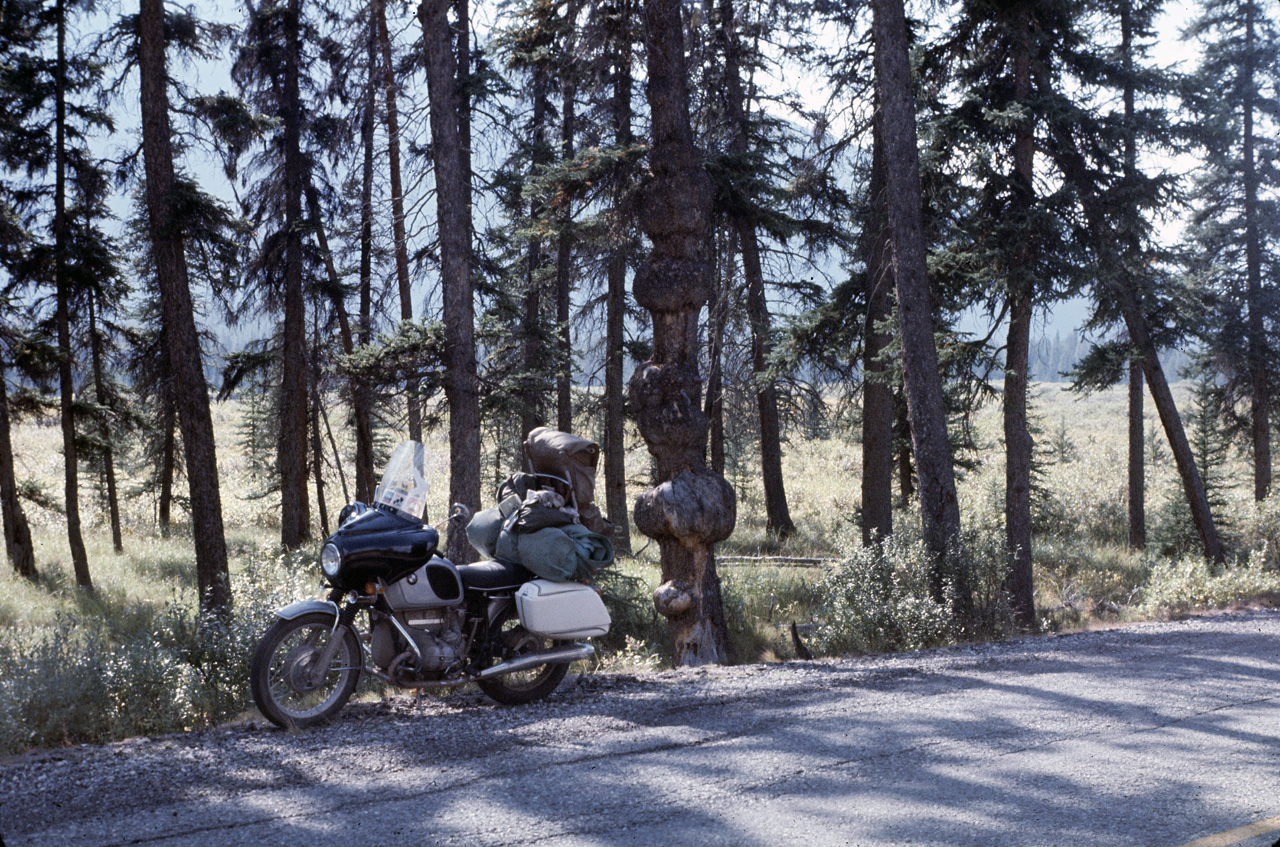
330 560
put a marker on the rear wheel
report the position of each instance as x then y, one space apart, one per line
515 689
288 687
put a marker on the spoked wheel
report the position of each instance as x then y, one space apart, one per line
288 687
521 687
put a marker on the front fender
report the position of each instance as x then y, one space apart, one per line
302 607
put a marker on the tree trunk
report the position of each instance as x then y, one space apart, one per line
17 532
531 403
877 393
1127 290
397 201
1192 483
1137 461
564 258
1137 424
690 508
108 455
939 508
317 445
1260 399
168 462
454 220
185 360
359 393
717 325
363 399
62 318
615 450
778 515
1017 436
295 500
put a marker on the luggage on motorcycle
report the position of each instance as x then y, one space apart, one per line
485 525
555 530
562 554
567 463
561 609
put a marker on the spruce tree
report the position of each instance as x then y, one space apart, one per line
1235 233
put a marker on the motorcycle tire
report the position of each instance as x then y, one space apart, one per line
279 674
516 689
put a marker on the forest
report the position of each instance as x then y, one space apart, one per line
710 234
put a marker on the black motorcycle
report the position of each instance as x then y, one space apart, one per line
398 610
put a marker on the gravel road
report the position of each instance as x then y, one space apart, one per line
1155 734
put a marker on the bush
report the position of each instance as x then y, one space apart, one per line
1181 585
147 671
876 600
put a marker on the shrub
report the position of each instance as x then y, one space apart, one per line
876 600
143 671
1181 585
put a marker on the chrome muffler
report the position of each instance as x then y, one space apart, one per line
556 656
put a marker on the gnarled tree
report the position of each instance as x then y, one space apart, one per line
690 507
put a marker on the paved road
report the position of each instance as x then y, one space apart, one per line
1150 735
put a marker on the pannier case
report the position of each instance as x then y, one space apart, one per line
562 609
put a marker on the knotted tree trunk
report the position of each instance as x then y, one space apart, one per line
689 508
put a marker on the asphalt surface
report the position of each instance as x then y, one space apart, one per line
1160 734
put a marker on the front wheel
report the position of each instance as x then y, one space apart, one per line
288 687
516 689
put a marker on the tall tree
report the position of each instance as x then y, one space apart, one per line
453 215
689 508
17 530
63 295
1234 227
390 90
939 507
295 500
778 515
178 314
877 389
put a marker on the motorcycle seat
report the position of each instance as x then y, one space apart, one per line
494 575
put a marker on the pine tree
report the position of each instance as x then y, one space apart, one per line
1235 234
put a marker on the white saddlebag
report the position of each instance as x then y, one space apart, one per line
562 609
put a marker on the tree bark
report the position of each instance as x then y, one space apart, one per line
108 454
185 361
362 398
454 221
1260 395
62 317
1137 515
397 201
168 469
939 508
690 508
1137 460
531 402
615 451
17 531
877 393
778 515
717 325
564 252
1017 436
317 445
291 452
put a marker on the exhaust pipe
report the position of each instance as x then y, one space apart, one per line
557 656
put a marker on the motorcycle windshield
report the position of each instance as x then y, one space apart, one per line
404 485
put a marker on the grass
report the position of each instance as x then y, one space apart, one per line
133 658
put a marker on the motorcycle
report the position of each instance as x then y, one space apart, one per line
400 611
